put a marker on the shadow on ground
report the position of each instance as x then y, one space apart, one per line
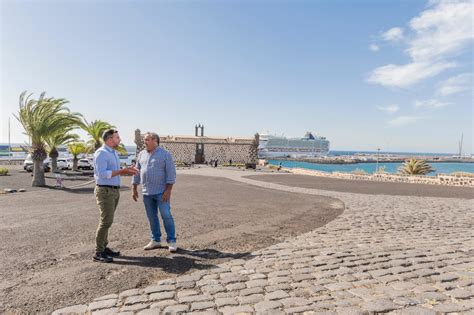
180 262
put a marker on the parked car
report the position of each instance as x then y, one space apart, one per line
84 164
63 164
28 164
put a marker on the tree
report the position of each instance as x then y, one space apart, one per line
76 148
61 137
415 167
95 129
41 118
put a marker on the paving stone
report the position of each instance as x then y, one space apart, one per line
107 311
266 305
235 286
158 296
207 312
448 308
128 293
102 304
417 310
201 306
299 309
256 283
231 310
163 304
148 311
78 309
379 306
186 285
251 299
407 301
136 299
220 302
294 301
212 289
350 311
159 288
233 279
339 286
173 309
195 298
461 294
134 307
433 296
187 292
445 277
250 291
424 288
276 295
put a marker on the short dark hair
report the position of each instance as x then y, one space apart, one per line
108 134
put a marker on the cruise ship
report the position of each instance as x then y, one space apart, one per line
277 146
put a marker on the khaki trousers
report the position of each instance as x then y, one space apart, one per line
107 200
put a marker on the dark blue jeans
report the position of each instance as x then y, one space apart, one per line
152 204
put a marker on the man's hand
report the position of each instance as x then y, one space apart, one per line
135 194
132 170
166 195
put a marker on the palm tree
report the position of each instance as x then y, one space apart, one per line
415 167
76 148
54 140
95 129
41 118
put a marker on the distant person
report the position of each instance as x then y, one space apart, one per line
215 163
157 175
279 167
107 174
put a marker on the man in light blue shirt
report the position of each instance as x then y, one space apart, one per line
157 174
107 191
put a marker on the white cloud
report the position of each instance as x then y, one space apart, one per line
374 47
443 31
403 120
454 85
393 34
391 109
440 33
406 75
432 103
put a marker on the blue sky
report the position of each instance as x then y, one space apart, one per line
366 74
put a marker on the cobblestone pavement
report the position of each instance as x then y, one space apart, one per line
384 254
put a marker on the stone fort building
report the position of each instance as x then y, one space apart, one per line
202 149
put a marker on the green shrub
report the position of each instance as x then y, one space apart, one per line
3 171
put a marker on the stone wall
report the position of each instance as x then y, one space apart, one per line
448 180
183 148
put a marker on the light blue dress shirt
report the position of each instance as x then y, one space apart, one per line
106 160
156 171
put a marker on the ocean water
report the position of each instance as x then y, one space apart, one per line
440 168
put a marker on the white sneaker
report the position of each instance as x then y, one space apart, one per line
172 247
152 245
